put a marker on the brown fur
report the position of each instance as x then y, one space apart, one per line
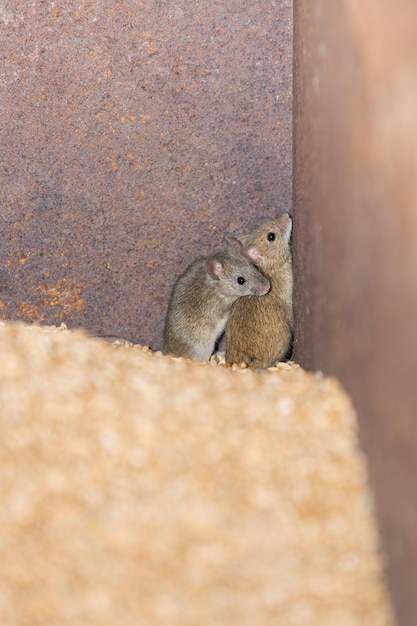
259 330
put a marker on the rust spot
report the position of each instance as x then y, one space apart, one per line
61 299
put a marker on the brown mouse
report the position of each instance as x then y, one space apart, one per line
259 330
202 298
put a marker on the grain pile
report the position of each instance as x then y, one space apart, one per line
145 490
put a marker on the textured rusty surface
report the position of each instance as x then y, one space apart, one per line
355 249
132 137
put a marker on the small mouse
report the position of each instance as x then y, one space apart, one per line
202 298
259 330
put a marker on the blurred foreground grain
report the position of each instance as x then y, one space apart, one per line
145 490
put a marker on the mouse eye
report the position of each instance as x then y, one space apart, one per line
271 236
241 280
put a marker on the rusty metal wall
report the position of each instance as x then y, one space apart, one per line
133 135
355 244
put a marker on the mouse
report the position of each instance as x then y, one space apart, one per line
259 331
202 298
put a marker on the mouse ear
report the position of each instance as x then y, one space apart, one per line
214 268
232 243
253 254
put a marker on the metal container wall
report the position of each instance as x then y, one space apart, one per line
133 137
355 244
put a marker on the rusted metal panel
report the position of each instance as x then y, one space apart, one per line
133 135
355 243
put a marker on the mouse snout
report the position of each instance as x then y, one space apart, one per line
285 226
285 221
261 287
284 217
